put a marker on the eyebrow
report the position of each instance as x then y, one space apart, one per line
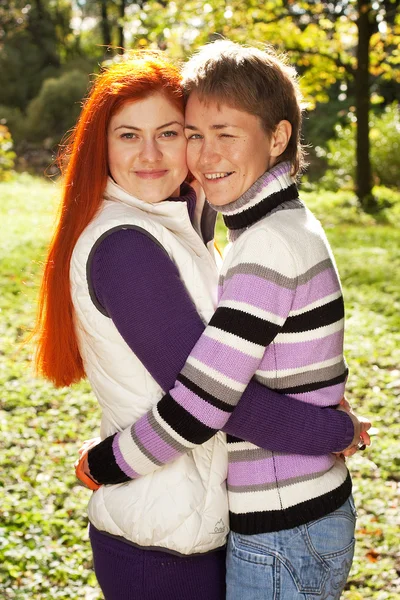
216 126
157 128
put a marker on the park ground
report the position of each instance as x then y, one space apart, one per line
44 548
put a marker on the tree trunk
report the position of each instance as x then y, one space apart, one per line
362 101
121 10
42 29
105 25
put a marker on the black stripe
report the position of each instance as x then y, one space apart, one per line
193 387
102 464
185 424
231 439
244 325
300 514
261 209
311 387
315 318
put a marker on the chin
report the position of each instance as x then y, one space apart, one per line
220 200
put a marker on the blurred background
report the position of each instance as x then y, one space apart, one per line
348 56
346 52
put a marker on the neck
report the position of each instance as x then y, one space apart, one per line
272 189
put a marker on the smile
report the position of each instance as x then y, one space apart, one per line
217 175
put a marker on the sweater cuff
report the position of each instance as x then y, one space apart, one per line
102 464
345 441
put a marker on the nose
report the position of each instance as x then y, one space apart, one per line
208 154
150 152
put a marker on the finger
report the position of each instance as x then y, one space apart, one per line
365 438
84 445
87 445
345 404
350 451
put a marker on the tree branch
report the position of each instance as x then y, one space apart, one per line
348 68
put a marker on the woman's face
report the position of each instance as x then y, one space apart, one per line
147 148
228 149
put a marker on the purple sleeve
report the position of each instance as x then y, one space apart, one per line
132 275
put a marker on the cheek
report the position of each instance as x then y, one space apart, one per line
115 158
255 160
177 155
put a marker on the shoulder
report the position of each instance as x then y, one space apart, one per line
113 216
126 239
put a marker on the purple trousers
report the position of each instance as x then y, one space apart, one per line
125 572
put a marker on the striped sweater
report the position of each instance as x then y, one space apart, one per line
280 317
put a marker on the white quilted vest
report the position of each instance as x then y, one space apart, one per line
181 507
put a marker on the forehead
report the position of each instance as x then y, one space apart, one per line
153 109
205 106
212 113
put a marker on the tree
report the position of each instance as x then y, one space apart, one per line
353 41
32 37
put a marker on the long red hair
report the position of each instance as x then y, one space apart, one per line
84 164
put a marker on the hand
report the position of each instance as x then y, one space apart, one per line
88 444
82 472
361 427
81 465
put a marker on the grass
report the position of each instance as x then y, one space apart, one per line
44 549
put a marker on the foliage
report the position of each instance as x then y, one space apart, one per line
385 151
56 108
30 51
320 37
22 70
43 39
7 155
351 42
44 548
342 207
13 118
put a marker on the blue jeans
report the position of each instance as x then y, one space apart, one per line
310 562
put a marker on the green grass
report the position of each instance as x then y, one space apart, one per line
44 550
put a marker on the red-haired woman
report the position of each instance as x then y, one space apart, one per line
129 282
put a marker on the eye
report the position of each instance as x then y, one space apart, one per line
129 135
195 136
226 135
169 134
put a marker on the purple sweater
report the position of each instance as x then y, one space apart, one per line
131 274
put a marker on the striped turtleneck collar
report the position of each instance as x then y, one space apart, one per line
274 188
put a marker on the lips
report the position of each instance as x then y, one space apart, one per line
151 174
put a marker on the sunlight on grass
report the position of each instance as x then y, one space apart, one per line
43 537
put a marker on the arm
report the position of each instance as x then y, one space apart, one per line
263 416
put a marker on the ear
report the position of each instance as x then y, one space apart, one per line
280 138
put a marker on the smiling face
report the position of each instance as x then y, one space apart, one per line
228 149
147 148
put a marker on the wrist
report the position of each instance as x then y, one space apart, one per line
349 432
103 465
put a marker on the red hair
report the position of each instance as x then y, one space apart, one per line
85 177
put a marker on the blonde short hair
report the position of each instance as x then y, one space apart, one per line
256 81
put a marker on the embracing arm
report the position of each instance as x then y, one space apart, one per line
132 275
